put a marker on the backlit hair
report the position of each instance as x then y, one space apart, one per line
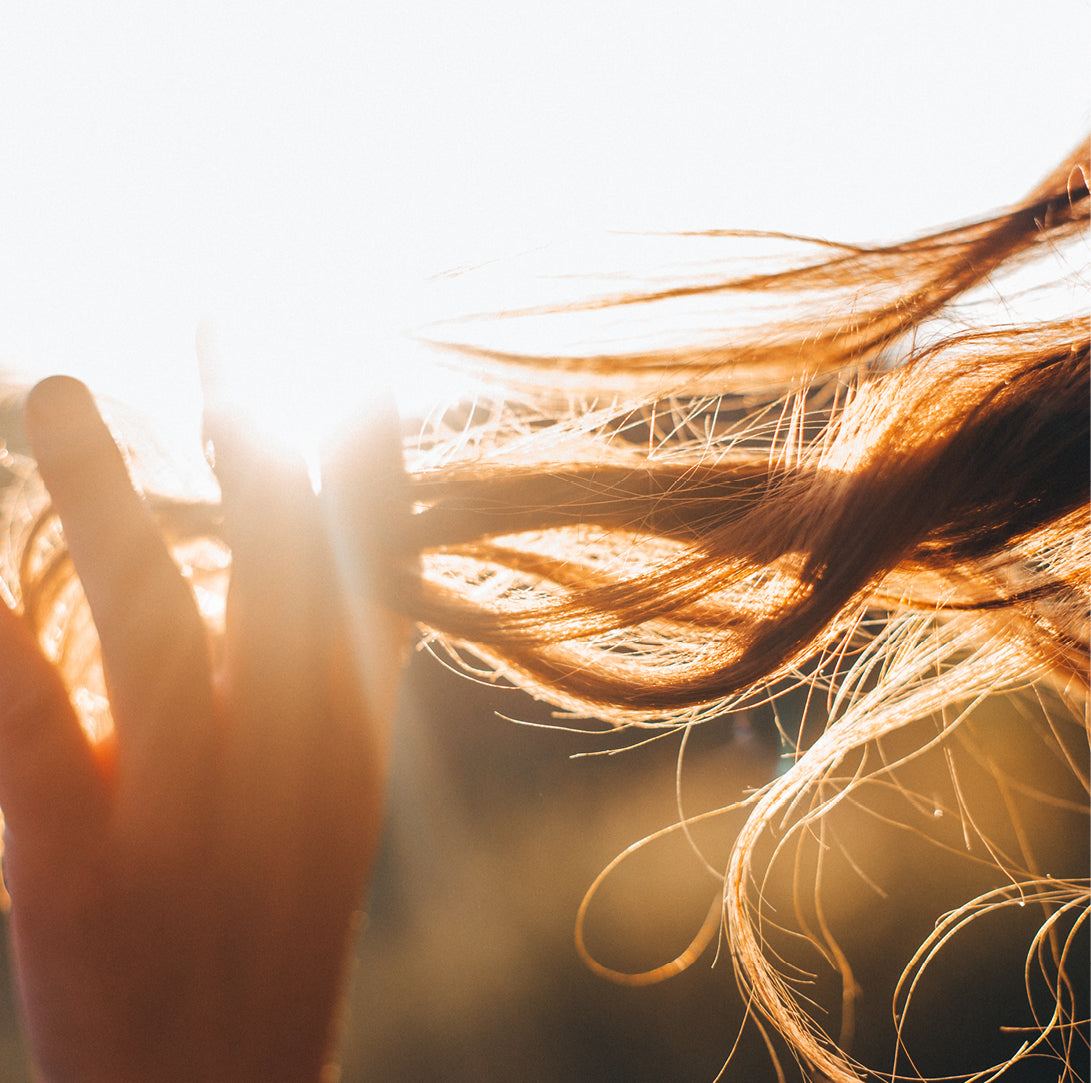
866 492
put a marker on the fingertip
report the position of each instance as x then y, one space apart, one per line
366 475
56 399
60 418
77 456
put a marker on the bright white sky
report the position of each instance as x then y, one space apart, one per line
300 167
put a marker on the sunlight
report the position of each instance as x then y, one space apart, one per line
330 165
158 163
300 377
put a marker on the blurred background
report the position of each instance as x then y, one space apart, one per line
466 970
321 177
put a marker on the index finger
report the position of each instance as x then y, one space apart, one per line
154 645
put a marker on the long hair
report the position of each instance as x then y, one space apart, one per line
865 493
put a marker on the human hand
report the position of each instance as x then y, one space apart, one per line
183 897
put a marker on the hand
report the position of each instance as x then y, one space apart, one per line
183 896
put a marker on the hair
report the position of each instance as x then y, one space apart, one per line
866 493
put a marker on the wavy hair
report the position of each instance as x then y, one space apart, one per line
865 493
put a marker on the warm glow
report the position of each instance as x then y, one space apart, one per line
300 388
310 173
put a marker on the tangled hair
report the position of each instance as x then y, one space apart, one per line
867 493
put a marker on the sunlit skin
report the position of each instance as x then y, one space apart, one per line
183 898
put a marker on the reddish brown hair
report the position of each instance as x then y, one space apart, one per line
652 537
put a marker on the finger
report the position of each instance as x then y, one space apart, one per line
282 610
365 497
51 787
154 645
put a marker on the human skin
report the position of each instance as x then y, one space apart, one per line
183 896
